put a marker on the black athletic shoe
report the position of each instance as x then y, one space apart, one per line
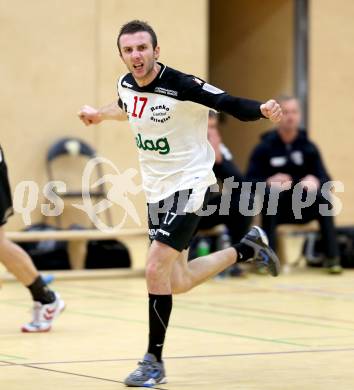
263 254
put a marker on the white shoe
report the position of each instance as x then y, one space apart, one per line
44 315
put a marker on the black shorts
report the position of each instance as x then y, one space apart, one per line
171 224
6 208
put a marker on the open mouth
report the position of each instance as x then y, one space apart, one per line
138 66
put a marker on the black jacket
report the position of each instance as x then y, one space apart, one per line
297 159
227 167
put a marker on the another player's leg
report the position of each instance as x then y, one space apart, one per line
159 266
47 303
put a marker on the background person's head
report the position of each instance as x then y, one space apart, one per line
137 45
288 127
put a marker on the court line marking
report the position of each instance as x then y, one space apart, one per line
193 329
76 374
318 337
272 289
240 354
199 308
3 355
6 363
121 291
281 341
213 305
226 306
278 341
207 309
209 331
296 288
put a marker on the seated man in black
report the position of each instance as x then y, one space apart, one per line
284 158
224 167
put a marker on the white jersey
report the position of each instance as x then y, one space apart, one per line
169 118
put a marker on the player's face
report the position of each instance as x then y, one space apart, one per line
291 115
138 55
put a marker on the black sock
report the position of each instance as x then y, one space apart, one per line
160 307
244 252
40 291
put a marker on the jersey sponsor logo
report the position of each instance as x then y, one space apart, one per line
160 113
210 88
164 233
125 84
161 145
153 233
164 91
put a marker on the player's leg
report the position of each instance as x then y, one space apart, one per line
171 235
47 304
160 260
253 247
17 261
186 275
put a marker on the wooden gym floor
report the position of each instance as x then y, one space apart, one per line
286 333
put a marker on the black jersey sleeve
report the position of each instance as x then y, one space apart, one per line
199 91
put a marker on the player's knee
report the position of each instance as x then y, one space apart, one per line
155 269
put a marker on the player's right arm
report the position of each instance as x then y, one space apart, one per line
92 116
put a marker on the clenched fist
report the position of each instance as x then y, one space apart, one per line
271 110
89 115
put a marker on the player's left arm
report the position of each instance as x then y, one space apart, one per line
198 91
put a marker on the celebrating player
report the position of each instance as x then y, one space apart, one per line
168 113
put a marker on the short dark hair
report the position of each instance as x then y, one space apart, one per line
135 26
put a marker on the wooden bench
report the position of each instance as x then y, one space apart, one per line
78 239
